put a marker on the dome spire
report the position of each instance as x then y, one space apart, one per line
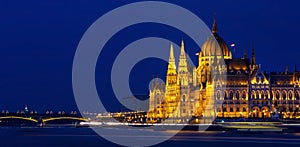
214 28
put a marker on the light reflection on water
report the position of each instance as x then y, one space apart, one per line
77 137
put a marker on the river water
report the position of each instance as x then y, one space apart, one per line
86 137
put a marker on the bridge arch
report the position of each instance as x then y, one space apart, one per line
64 118
18 117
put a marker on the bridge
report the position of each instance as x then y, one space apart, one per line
64 118
19 117
43 120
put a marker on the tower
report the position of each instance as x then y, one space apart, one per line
183 72
172 88
183 78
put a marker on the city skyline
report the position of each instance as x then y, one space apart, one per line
38 45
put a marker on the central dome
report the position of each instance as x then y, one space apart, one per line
215 45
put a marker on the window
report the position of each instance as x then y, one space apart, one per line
284 109
267 94
237 95
244 109
253 95
290 95
284 95
218 95
231 95
237 109
244 95
276 104
257 94
263 95
297 95
231 109
277 95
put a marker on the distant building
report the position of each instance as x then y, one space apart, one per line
246 91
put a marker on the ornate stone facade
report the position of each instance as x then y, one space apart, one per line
244 91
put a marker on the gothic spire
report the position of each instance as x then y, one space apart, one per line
214 28
171 65
182 48
287 69
253 59
171 57
245 53
182 67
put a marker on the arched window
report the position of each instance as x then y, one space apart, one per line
237 95
253 95
244 109
263 94
244 95
231 95
267 94
277 95
257 94
297 94
290 95
225 95
218 95
284 95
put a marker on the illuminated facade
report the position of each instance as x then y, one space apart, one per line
197 91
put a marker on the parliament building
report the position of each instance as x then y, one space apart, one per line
222 86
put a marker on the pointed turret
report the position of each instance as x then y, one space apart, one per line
172 64
183 67
287 69
171 73
172 89
295 75
245 53
214 28
253 59
171 57
182 60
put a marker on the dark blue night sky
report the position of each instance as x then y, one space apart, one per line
38 40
